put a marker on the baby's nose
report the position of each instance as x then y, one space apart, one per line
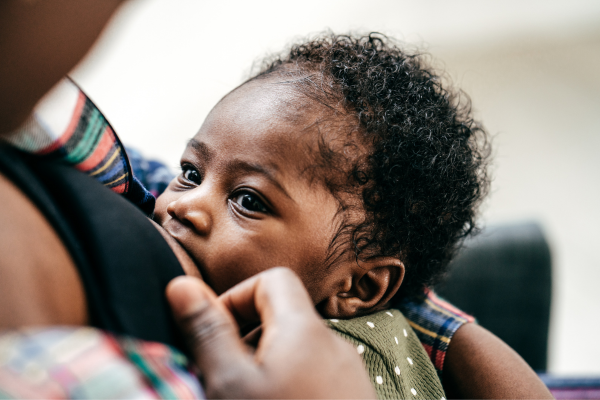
189 211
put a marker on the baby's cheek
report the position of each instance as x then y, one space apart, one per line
160 208
225 274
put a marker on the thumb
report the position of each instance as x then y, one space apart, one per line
209 330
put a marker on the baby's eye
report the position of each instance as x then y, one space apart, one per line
250 202
191 174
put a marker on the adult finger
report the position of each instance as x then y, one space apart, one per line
210 331
268 297
278 299
296 353
326 367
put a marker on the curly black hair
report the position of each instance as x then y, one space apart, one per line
424 171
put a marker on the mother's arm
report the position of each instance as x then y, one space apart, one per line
41 42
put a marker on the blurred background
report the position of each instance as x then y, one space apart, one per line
531 68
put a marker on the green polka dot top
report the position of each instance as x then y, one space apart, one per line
396 361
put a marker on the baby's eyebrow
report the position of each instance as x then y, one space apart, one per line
201 148
236 165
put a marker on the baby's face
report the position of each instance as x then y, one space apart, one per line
241 204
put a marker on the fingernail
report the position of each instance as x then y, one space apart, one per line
186 295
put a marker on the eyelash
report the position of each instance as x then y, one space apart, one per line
187 169
245 194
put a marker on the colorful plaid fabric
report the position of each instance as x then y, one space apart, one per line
67 125
68 362
434 321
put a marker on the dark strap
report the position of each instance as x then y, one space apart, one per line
123 261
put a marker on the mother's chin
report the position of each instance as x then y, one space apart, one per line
188 265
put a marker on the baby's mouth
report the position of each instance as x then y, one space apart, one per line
188 263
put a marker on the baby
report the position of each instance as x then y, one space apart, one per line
345 160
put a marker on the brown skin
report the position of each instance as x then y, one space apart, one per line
40 42
242 205
481 366
326 367
39 284
188 265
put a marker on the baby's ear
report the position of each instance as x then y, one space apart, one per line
367 287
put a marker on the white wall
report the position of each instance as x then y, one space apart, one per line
542 102
531 68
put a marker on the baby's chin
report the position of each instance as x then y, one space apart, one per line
187 263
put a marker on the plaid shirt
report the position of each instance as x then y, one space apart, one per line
434 321
67 125
86 363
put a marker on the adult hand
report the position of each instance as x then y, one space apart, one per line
296 356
